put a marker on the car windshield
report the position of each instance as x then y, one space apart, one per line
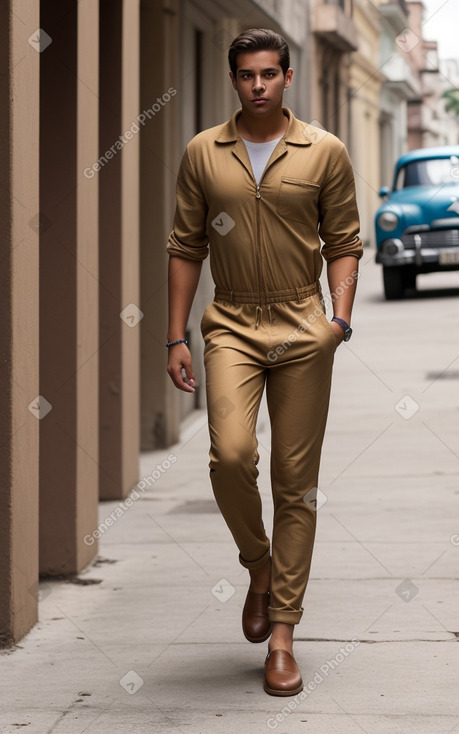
428 172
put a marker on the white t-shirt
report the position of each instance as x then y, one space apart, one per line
259 154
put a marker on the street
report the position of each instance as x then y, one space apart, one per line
149 638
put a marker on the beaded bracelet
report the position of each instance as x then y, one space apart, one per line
179 341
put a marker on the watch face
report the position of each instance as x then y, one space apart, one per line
347 334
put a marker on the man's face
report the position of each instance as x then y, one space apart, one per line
259 81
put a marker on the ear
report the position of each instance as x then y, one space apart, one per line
233 80
288 78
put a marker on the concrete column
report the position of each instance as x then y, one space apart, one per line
119 247
19 385
159 159
68 285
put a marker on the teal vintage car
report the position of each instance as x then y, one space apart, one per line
417 226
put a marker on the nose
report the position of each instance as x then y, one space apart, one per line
258 85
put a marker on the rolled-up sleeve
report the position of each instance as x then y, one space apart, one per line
188 238
339 218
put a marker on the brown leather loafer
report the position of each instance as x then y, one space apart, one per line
282 675
255 622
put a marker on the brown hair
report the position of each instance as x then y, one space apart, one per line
259 39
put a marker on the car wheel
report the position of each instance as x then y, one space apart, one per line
409 278
394 285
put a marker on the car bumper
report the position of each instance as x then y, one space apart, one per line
392 252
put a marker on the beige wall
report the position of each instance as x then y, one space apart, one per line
19 384
119 298
159 158
69 329
129 442
53 421
87 287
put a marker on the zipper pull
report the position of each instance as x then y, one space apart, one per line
258 195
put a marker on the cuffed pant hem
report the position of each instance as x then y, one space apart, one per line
288 616
255 564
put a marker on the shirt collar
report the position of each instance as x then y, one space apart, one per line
296 133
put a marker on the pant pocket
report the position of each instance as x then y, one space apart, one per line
330 331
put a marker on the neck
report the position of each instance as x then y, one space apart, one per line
257 130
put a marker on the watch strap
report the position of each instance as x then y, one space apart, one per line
344 325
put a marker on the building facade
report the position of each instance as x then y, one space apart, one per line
332 39
366 79
399 85
428 122
70 250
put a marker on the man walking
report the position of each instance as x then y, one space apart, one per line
257 192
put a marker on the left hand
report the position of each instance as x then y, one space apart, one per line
339 333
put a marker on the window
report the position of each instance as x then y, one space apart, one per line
428 172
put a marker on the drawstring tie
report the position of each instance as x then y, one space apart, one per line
259 311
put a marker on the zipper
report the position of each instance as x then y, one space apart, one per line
258 243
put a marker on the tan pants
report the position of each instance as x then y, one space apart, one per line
287 345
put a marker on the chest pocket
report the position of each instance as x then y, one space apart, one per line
298 199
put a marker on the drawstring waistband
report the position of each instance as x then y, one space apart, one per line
269 297
289 294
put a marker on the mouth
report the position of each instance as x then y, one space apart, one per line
259 100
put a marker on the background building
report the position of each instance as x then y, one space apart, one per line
428 123
332 38
449 81
399 85
366 79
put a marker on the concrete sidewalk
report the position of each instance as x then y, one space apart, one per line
149 638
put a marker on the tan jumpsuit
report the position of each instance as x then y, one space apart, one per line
266 327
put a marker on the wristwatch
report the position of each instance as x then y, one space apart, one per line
345 327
